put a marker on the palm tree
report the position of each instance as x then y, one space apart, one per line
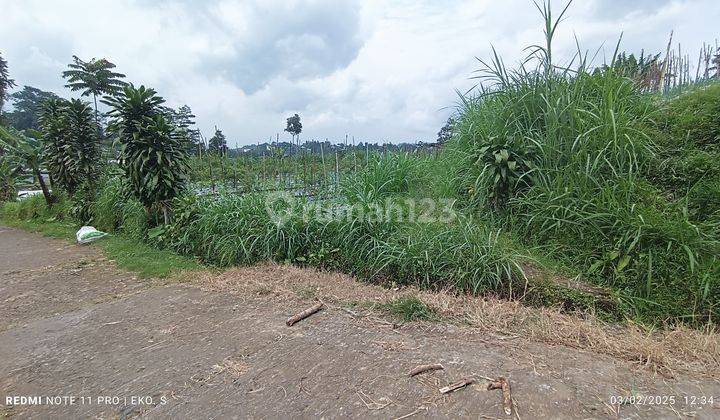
94 77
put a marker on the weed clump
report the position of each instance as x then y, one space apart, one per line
410 308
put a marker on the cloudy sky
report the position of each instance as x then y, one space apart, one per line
378 70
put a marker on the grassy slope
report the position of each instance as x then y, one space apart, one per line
568 163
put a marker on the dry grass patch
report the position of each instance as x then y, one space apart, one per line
677 350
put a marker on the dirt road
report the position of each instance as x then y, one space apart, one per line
72 325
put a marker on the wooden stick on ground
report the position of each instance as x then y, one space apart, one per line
425 368
457 385
304 314
502 383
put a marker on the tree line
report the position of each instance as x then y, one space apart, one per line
64 139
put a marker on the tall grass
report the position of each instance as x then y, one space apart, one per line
562 157
577 163
238 230
115 210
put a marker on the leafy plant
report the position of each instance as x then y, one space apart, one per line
506 168
72 150
9 177
82 149
152 155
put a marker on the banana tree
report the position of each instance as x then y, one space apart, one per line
25 150
9 177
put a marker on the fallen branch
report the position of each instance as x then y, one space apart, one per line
425 368
502 383
304 314
457 385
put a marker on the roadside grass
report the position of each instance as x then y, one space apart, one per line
50 228
409 308
405 308
145 260
128 253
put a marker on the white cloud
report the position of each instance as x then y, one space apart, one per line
378 70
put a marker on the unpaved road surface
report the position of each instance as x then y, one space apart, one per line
73 325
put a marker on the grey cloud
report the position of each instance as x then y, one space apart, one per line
298 42
614 9
40 60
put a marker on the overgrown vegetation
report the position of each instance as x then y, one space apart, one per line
152 156
549 175
569 160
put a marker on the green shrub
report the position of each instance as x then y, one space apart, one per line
32 207
10 210
387 175
115 210
686 166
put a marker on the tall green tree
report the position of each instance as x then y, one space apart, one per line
6 83
27 106
94 77
152 156
294 126
446 132
71 148
217 143
185 123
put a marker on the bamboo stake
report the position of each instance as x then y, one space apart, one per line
367 155
337 171
663 72
354 155
322 159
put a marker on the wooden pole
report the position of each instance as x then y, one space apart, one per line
337 171
367 155
666 63
354 155
322 160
